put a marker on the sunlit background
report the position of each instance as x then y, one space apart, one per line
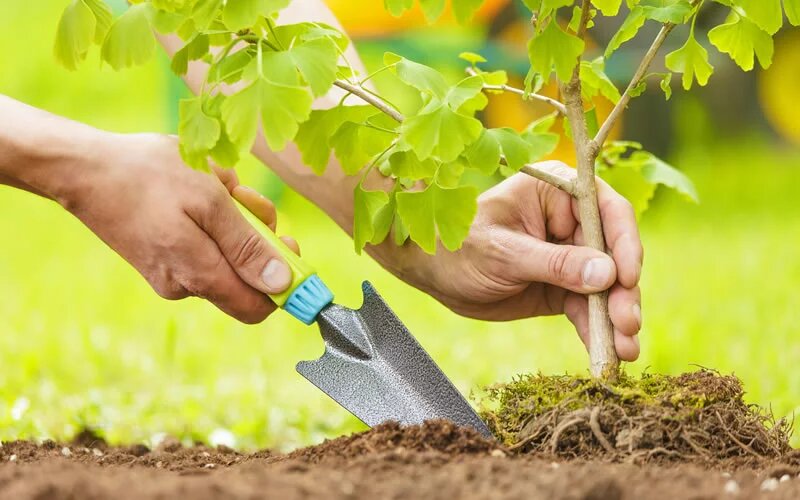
84 342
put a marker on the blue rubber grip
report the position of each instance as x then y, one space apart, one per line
308 299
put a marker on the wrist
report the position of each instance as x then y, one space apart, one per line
64 168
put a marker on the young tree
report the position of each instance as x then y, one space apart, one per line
276 70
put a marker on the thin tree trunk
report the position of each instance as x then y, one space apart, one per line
604 363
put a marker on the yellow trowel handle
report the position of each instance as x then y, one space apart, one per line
307 295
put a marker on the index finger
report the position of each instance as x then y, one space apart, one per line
621 234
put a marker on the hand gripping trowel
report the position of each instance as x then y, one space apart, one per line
372 365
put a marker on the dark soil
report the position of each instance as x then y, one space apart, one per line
744 455
435 460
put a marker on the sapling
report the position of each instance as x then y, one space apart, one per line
265 74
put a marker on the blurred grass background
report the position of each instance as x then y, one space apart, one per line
85 342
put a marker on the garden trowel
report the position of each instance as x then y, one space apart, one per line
372 365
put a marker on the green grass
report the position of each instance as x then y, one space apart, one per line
84 341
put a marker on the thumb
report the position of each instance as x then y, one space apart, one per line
576 268
258 263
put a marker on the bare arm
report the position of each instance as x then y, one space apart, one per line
178 227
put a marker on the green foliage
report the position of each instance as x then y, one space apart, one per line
742 39
264 76
554 49
692 61
636 174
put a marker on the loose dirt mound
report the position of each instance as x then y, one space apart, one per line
438 435
695 417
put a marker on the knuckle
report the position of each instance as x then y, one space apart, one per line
169 289
558 263
248 249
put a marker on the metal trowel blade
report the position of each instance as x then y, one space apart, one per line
377 370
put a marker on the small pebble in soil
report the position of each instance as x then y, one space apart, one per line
159 464
498 453
97 452
66 451
210 466
206 454
12 458
554 465
726 475
785 478
732 487
770 484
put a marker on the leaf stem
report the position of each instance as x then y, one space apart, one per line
558 105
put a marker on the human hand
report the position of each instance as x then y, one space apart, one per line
177 226
523 257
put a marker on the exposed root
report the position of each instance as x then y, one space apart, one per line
699 417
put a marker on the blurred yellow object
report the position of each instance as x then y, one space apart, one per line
778 87
370 19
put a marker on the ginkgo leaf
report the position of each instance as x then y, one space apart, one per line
75 34
547 7
439 131
666 85
472 57
421 77
692 61
241 14
463 91
356 144
608 7
314 135
195 49
129 41
432 9
627 179
397 7
317 61
369 218
198 131
666 11
204 12
792 8
437 210
630 27
742 40
594 80
553 48
102 14
280 109
406 165
658 171
484 154
516 150
766 14
465 9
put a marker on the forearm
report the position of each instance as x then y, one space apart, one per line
331 191
43 153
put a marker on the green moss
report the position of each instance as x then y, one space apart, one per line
509 407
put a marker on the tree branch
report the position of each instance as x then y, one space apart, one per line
640 72
535 172
507 88
566 185
370 99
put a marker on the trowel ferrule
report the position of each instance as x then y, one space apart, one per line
308 299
